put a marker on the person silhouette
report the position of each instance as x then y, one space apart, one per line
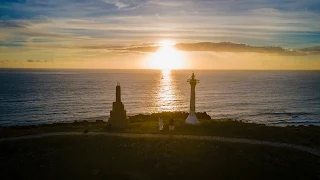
171 124
160 123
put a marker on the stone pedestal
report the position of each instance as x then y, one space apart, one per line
192 118
118 115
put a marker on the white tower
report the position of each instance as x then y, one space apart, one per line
192 118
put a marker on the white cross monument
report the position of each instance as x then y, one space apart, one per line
192 118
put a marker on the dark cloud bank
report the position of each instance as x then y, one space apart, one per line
231 47
36 61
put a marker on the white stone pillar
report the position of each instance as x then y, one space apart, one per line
192 118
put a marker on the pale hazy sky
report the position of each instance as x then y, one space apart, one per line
102 33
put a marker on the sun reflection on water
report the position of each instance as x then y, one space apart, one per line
166 93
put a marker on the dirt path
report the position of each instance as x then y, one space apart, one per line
315 152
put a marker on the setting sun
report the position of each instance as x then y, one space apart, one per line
166 43
167 57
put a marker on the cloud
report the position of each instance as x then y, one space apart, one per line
36 61
265 10
11 24
121 5
105 24
10 44
126 4
231 47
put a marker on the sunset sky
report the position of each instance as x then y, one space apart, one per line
175 34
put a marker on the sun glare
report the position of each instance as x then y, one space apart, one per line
166 43
167 57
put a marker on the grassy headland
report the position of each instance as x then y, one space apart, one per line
101 157
301 135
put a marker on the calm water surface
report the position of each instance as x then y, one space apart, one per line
270 97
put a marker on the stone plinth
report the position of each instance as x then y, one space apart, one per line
118 115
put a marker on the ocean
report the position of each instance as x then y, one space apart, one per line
35 96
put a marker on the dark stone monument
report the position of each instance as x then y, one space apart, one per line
118 116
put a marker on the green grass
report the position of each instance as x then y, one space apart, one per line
99 157
302 135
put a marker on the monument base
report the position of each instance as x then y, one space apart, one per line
118 117
192 118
